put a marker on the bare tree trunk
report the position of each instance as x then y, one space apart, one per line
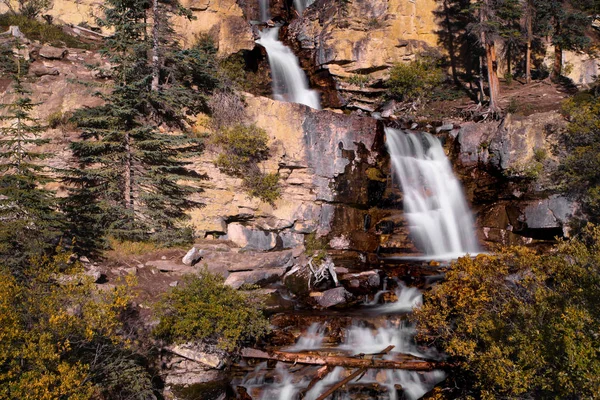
529 23
492 67
155 45
481 91
558 61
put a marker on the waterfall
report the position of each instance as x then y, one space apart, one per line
302 4
289 80
263 6
438 215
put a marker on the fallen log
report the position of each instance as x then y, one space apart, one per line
406 362
342 383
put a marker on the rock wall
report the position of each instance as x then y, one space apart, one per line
321 157
359 40
508 169
223 19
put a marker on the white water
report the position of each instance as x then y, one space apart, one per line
312 339
289 80
263 7
434 203
301 5
408 299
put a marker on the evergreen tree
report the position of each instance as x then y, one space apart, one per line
129 180
29 222
565 23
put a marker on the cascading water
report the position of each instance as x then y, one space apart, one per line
301 5
434 204
289 80
358 338
263 7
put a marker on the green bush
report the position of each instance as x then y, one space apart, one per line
264 186
415 80
204 309
242 146
581 169
520 325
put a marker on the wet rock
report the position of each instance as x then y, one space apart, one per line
361 283
53 53
265 275
333 297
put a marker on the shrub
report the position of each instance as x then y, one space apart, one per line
520 324
62 338
242 146
263 186
358 80
580 171
414 81
204 309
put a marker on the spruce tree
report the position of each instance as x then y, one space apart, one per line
29 224
565 23
129 175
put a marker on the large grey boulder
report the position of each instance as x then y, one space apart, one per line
333 297
251 239
237 279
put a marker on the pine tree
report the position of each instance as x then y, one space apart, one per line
130 171
29 221
564 22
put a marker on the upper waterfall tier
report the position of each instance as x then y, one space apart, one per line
434 203
289 80
302 4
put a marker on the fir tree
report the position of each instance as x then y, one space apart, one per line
130 174
565 23
30 223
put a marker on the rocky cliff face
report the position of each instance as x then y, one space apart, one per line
223 19
509 169
355 43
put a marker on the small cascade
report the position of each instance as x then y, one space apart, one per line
311 340
434 203
301 5
289 80
288 383
264 10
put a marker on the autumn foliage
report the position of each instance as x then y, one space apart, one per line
519 324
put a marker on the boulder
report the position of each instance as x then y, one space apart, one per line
361 283
249 238
237 279
192 256
41 70
53 53
333 297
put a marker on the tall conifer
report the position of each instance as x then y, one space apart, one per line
129 170
29 223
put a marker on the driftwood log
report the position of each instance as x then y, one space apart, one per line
406 362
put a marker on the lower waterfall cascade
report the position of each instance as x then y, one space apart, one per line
439 218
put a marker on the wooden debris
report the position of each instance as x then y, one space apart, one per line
405 362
